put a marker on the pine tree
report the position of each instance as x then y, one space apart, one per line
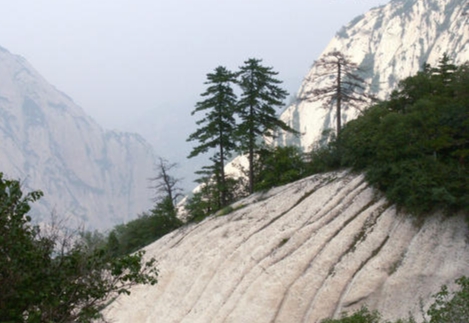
261 94
347 86
218 125
166 186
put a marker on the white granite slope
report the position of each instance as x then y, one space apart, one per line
299 253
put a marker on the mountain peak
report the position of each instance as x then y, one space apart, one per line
96 177
389 43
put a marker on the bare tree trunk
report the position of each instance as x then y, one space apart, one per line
339 97
347 86
251 156
222 184
165 185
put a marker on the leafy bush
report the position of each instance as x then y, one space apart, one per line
213 194
326 156
451 306
55 279
364 315
414 147
278 166
199 207
361 316
147 228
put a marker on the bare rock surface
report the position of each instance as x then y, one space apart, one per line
388 43
300 253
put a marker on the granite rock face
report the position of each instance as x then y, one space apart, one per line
389 43
95 177
299 253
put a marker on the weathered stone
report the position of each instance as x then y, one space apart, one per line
300 253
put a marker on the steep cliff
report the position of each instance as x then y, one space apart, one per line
299 253
96 177
388 43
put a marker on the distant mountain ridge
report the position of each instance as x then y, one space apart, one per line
96 177
389 43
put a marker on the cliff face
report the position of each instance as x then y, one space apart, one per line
300 253
388 43
96 177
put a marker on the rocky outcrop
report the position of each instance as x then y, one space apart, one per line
389 43
299 253
96 177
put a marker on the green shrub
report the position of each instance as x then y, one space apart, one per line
147 228
451 306
278 166
361 316
57 277
414 147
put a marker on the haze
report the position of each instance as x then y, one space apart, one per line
140 65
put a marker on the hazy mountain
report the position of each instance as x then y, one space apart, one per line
389 43
299 253
95 176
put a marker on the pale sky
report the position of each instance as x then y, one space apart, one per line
140 65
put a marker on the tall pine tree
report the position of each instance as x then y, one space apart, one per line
218 125
260 97
342 84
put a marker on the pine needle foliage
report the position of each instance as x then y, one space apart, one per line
261 96
341 85
218 125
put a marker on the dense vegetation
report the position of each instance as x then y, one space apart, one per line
55 277
277 166
145 229
414 147
61 275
